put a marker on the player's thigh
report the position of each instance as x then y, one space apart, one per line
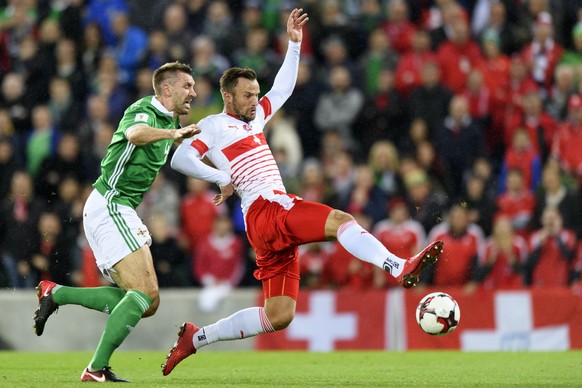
280 310
113 231
136 272
306 221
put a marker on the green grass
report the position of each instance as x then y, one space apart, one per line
301 369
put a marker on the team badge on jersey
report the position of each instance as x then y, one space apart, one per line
141 117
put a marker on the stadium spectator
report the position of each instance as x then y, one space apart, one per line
312 258
197 213
8 165
540 126
51 256
177 32
207 101
64 105
315 185
68 67
517 202
342 270
511 36
564 86
14 101
458 56
554 193
543 53
552 250
101 13
426 204
66 161
330 23
42 139
410 64
501 266
383 115
365 196
157 52
300 108
92 48
568 136
338 108
162 198
430 101
383 160
220 25
522 156
399 233
130 46
218 263
170 262
479 202
377 58
398 27
257 55
464 242
207 63
19 214
459 141
439 21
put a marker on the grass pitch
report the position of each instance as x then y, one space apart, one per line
301 369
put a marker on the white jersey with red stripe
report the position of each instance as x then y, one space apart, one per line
239 148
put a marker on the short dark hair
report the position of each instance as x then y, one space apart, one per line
166 71
229 79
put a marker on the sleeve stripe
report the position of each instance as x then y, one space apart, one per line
266 104
199 146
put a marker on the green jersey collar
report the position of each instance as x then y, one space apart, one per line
158 105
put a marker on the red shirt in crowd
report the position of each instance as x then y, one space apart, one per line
503 275
454 265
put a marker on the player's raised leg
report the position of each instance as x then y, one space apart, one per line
358 241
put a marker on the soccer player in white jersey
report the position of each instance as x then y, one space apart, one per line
276 222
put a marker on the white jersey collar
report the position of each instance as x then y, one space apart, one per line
158 105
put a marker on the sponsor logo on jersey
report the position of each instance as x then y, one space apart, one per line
141 117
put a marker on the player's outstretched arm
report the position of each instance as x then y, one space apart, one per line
143 134
186 160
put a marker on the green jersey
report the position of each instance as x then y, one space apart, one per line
127 170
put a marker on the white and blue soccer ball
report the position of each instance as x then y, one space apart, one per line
438 313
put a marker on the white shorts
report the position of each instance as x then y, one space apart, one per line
113 231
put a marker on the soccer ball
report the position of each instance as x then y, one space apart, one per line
438 313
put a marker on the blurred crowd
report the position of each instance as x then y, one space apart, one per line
426 119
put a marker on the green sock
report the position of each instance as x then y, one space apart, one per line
122 320
97 298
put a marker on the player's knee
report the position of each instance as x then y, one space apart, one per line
282 319
153 292
340 217
335 219
153 308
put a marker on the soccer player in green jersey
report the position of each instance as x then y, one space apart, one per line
117 236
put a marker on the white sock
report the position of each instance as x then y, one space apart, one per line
366 247
242 324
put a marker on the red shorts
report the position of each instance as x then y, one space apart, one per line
275 227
